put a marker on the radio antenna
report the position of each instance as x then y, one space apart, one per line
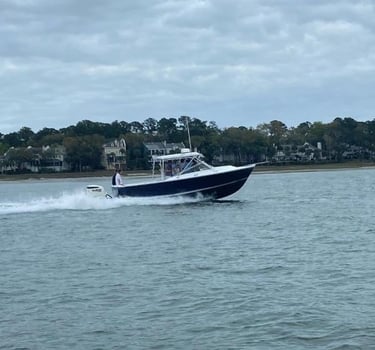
188 130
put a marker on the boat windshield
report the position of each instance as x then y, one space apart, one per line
176 165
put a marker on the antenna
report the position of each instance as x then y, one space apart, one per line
188 130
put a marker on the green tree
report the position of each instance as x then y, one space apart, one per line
150 126
370 137
87 127
47 136
43 136
167 129
299 135
3 148
276 133
136 127
13 139
136 155
115 129
231 142
26 135
316 133
19 157
84 152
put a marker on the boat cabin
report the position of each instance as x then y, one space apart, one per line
178 164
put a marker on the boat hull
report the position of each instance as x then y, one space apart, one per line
214 185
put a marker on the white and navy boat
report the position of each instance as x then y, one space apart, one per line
187 174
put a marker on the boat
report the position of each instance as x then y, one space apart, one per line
186 174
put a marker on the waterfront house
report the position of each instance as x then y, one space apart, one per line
114 154
162 148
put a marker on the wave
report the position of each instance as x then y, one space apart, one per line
81 201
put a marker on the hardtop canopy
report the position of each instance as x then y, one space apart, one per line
177 156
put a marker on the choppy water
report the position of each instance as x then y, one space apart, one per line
287 263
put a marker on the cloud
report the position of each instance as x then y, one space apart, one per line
236 62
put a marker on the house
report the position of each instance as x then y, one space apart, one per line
303 153
35 159
53 159
162 148
114 154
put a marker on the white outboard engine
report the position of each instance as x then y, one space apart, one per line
97 191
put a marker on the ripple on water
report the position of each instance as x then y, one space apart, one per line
288 263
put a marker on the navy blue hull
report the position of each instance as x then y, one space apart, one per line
213 185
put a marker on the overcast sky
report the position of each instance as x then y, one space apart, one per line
236 62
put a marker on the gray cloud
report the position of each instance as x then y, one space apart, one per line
236 62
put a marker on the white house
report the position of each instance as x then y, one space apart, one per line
114 154
162 148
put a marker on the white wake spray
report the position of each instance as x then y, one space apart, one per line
82 201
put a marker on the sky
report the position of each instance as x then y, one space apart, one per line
235 62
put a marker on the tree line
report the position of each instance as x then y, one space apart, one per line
84 141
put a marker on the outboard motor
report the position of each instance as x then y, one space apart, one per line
97 191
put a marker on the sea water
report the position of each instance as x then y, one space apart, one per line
286 263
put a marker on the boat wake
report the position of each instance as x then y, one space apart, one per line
81 201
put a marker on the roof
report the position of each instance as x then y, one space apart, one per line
178 156
116 143
163 145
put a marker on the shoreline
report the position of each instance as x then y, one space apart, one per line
69 175
313 167
259 169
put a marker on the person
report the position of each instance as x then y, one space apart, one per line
117 179
168 168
